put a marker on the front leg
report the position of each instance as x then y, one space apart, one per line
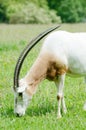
60 96
63 105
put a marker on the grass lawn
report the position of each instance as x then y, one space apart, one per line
42 112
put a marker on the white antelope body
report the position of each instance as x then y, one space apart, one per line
62 53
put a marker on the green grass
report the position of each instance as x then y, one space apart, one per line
42 112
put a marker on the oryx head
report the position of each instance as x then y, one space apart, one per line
22 98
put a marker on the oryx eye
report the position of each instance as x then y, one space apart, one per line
20 94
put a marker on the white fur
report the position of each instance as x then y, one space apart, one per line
70 48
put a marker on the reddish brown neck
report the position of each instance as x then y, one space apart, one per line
38 71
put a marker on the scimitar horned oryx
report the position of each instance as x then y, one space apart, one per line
62 53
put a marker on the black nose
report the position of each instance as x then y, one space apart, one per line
17 114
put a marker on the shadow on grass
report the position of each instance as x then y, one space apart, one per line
6 112
37 110
41 110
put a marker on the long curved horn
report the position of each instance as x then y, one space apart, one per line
25 52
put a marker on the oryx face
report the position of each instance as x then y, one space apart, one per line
21 100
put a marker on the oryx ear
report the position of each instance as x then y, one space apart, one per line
21 89
22 86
